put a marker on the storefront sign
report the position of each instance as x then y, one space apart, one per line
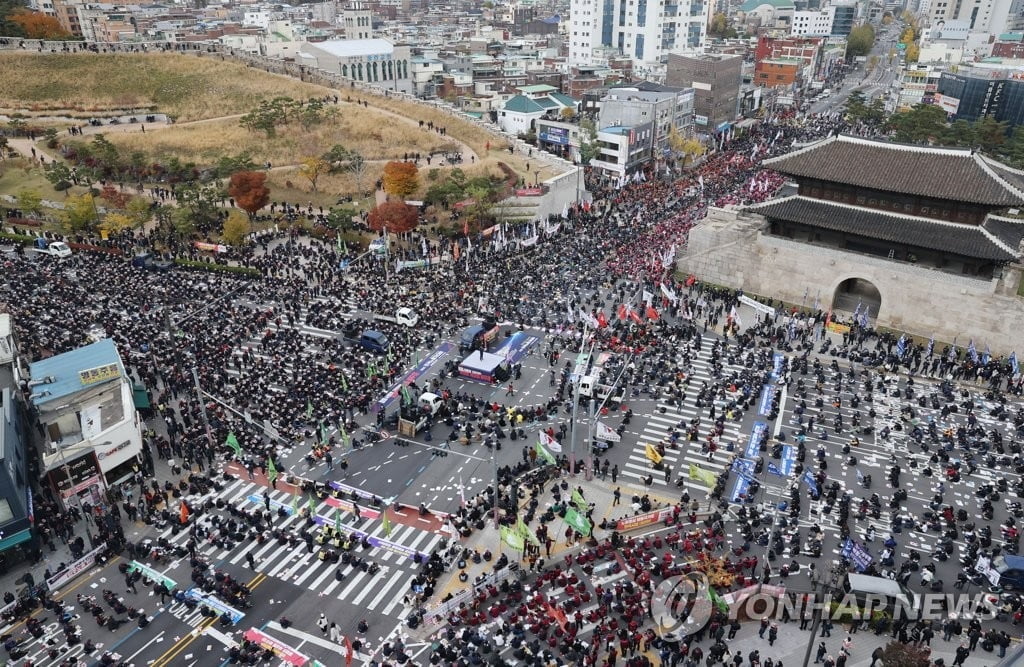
278 648
113 450
75 569
76 475
99 374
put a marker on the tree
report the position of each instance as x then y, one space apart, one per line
401 179
249 190
990 133
115 197
342 159
393 217
229 164
59 175
200 202
37 25
860 41
29 201
896 654
913 52
922 124
313 168
1012 152
51 137
477 212
139 211
183 222
855 107
79 214
589 147
115 222
720 28
236 228
340 219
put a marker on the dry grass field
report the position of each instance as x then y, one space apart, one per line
356 128
185 87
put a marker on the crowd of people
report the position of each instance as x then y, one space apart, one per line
275 347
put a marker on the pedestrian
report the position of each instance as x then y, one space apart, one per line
511 390
330 461
335 633
323 623
765 623
615 473
773 634
822 650
129 583
961 654
616 495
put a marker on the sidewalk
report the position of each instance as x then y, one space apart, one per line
791 645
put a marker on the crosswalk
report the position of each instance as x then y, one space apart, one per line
664 419
382 592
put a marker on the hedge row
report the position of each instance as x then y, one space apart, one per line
18 238
218 268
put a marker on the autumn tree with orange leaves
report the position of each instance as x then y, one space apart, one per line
401 179
249 190
394 217
37 25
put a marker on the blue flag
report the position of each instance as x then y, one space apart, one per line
931 346
774 469
864 317
809 480
972 351
901 346
985 357
1013 363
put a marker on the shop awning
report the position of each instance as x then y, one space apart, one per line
141 397
15 539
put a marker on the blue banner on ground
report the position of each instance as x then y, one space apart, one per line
212 603
744 468
516 347
764 406
788 459
741 488
753 451
777 365
415 374
856 554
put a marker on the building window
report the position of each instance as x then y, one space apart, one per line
344 71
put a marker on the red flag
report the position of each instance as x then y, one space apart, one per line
633 315
623 312
465 227
828 318
690 280
183 516
652 314
602 321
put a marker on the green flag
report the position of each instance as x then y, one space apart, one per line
722 605
344 247
295 503
578 522
271 469
232 442
387 523
544 454
511 538
309 409
578 500
369 370
344 382
706 477
524 531
337 519
406 398
311 506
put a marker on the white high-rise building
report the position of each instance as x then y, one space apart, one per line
644 30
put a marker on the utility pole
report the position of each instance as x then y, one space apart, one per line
202 405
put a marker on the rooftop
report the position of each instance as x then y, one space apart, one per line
751 5
100 357
954 174
536 89
988 242
348 48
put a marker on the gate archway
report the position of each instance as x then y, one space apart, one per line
853 291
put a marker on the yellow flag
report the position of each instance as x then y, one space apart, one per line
652 453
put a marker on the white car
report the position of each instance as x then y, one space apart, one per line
407 316
56 249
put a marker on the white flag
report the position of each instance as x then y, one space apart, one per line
607 434
669 294
648 297
550 443
589 319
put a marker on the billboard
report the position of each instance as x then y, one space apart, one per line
947 102
554 135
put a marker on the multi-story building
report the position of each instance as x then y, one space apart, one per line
374 61
972 93
357 20
918 85
16 537
644 30
844 17
715 80
813 22
85 405
668 109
